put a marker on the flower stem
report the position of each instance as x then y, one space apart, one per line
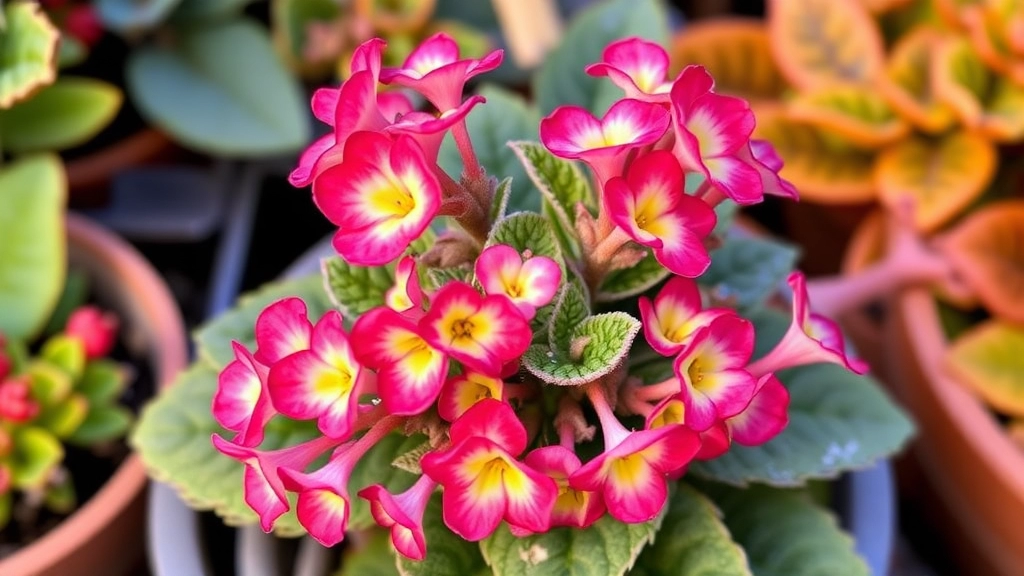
471 168
376 432
657 391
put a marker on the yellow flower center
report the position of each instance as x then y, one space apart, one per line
462 329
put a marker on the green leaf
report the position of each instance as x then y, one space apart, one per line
61 498
528 231
693 540
375 467
437 277
606 548
63 419
67 113
36 453
102 424
102 381
503 118
570 311
131 17
208 9
32 245
448 554
749 269
221 89
74 294
499 205
561 80
71 52
214 338
28 53
356 289
50 384
372 556
989 358
173 439
6 504
65 353
629 282
838 421
598 345
784 533
561 182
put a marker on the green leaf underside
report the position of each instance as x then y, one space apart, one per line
606 548
570 310
448 554
693 540
499 204
838 421
560 181
610 336
214 338
356 289
784 533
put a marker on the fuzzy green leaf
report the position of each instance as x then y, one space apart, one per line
570 311
693 541
28 53
599 345
36 453
631 281
784 533
449 554
173 439
838 421
437 277
102 424
606 548
499 204
561 182
528 231
66 113
749 269
32 243
561 80
214 338
356 289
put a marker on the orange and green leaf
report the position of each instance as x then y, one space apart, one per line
858 114
819 43
987 102
823 168
28 52
987 251
943 175
395 16
952 11
986 29
990 360
882 6
907 81
736 53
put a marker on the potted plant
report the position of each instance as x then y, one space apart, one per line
497 357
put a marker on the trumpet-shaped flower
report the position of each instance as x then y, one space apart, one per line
264 489
410 371
461 392
811 338
482 332
711 130
402 514
382 197
763 157
574 508
483 482
572 132
242 401
631 472
714 383
530 284
406 295
649 204
320 383
435 70
765 416
429 129
638 66
676 313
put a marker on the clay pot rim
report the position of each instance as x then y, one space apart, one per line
158 308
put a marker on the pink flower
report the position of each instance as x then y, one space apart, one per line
575 508
242 401
402 514
483 482
429 129
282 329
711 132
16 402
671 411
410 371
765 416
638 66
95 329
264 490
461 392
529 283
320 383
714 383
435 70
382 197
650 206
572 132
406 295
677 312
811 338
763 157
482 332
631 472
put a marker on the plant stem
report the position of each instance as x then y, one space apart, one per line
657 391
471 168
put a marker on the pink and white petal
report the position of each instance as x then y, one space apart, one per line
472 518
571 130
654 330
238 391
801 304
302 386
411 385
331 344
338 420
645 61
324 514
679 299
265 495
372 246
393 104
411 543
762 156
729 390
715 441
531 499
556 461
489 62
357 108
696 215
381 501
324 104
540 278
367 56
411 168
736 179
684 253
634 122
721 124
621 203
460 393
406 293
345 193
701 413
282 328
433 53
252 433
497 268
693 82
620 78
314 159
382 336
493 420
765 416
657 173
510 335
730 341
634 491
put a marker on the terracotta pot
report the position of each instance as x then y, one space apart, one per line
822 231
89 177
105 535
865 245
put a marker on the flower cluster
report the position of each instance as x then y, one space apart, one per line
448 359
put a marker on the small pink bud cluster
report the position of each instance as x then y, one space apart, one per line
96 329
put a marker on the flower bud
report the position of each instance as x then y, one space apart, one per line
96 329
16 402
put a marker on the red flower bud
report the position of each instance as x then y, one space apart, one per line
83 23
5 479
96 329
16 402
